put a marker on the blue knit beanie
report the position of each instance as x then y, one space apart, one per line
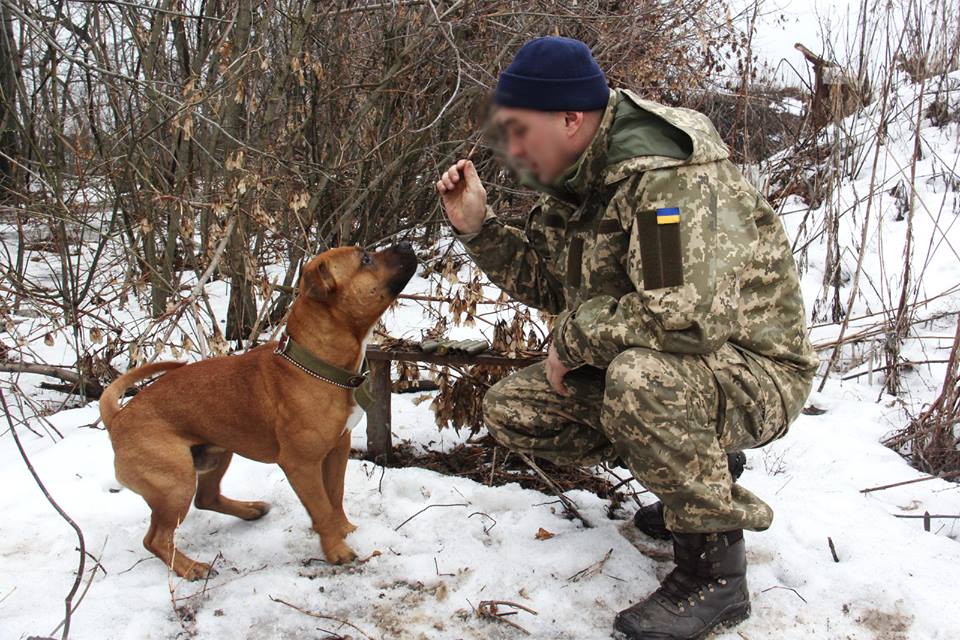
553 74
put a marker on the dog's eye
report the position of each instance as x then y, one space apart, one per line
366 259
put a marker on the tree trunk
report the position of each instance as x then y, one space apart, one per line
242 310
8 114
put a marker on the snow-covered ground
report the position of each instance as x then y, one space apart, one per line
893 581
426 578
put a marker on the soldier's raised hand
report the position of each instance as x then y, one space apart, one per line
463 196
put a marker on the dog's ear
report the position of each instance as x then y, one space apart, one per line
318 282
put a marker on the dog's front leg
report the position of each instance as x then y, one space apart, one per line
306 478
334 468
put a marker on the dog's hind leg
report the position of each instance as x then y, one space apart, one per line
165 477
208 490
334 468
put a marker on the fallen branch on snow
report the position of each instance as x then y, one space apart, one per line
592 570
92 388
489 609
313 614
568 504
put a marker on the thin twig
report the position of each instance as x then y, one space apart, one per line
944 476
9 593
897 365
437 567
86 587
833 549
488 609
68 600
220 584
568 504
486 529
777 586
430 506
313 614
592 570
456 51
858 270
198 289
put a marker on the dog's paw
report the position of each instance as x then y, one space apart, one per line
346 528
198 571
340 554
255 510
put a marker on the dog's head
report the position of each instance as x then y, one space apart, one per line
358 284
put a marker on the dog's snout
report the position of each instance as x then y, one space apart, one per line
404 262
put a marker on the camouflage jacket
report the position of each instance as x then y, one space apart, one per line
654 239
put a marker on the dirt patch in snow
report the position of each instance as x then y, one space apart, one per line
886 625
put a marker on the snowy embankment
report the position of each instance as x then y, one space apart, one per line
425 577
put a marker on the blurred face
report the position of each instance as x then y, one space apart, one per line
545 143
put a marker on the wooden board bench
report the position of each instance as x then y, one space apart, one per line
379 423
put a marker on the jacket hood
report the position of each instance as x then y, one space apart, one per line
628 155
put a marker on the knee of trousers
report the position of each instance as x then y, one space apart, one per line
495 414
646 388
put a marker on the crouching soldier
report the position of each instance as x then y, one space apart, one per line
680 331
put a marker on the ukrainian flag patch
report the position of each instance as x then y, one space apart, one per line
670 215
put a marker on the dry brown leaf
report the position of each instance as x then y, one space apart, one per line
543 534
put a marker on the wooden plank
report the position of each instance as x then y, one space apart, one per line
376 354
379 419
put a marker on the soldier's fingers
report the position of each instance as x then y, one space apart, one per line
454 174
556 380
470 171
447 182
441 188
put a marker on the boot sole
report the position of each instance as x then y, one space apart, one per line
737 616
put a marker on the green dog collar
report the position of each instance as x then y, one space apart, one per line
301 358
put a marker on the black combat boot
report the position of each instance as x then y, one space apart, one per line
707 589
649 518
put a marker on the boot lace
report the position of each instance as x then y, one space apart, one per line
683 590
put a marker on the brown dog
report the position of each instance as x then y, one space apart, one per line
260 405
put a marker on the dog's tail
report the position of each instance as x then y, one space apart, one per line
110 398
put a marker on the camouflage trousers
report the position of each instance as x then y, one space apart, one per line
670 417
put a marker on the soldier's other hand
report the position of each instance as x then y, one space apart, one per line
463 196
556 371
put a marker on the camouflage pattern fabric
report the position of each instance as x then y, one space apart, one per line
674 263
664 414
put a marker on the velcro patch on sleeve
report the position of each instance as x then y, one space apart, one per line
661 250
575 262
